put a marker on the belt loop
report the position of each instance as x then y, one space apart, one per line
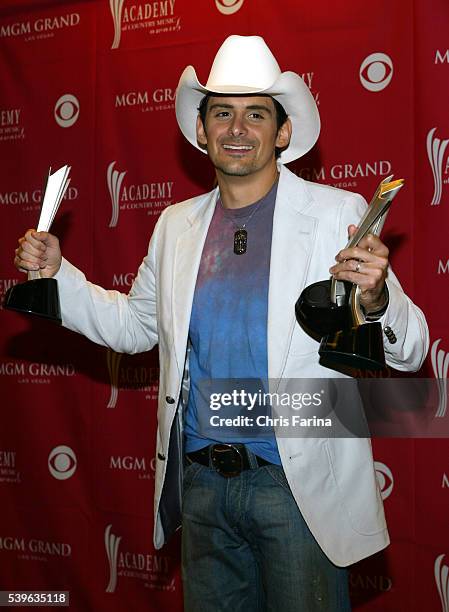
209 455
252 460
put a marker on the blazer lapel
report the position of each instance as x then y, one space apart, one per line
294 235
189 247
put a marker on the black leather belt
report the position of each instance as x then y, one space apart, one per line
228 459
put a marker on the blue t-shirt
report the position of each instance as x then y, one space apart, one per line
228 325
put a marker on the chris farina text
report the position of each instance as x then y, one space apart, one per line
264 421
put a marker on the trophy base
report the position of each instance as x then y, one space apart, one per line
38 297
357 347
318 314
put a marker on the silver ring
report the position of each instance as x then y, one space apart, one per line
357 268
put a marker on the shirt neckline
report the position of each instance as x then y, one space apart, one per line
245 211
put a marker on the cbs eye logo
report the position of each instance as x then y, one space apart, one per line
62 462
376 71
67 110
229 7
384 478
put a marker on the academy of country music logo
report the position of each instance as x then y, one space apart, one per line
8 467
113 362
346 174
440 365
35 372
155 570
152 197
112 543
123 376
229 7
310 81
441 572
161 98
67 110
376 72
384 478
439 163
157 17
116 7
62 462
114 179
11 124
40 28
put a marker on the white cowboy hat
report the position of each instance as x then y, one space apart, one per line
245 65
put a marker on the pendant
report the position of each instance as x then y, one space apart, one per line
240 241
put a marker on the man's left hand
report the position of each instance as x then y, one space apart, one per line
366 266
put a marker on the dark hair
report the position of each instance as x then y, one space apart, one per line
281 115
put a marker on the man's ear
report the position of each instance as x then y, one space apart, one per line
284 134
201 133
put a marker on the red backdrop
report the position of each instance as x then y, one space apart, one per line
92 84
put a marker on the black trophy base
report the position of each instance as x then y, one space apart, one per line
38 297
357 347
318 314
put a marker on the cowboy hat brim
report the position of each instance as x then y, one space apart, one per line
288 89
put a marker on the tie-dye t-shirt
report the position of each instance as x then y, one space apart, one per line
228 325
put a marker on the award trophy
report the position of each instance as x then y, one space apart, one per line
330 311
39 296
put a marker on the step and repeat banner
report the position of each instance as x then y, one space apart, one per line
92 84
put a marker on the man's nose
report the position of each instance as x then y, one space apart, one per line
237 127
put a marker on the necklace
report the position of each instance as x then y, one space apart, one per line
241 235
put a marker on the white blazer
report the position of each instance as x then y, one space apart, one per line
332 480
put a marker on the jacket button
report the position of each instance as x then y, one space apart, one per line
170 400
161 456
390 335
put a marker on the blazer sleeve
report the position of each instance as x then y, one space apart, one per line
124 323
406 321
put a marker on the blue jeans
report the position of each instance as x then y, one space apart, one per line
246 547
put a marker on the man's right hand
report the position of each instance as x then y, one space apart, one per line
38 251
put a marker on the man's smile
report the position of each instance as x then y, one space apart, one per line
237 147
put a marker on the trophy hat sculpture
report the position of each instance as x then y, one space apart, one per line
39 296
330 311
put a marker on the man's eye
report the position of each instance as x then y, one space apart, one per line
222 114
256 116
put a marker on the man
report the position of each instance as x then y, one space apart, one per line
269 522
